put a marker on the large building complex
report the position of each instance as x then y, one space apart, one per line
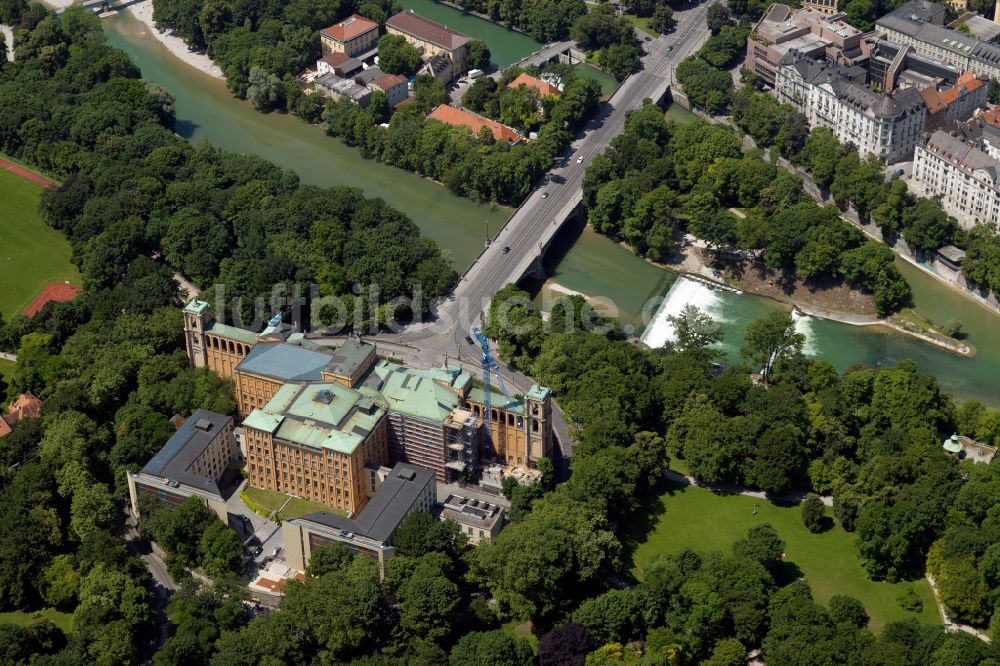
962 166
399 492
442 48
318 423
920 24
199 459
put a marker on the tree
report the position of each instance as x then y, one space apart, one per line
328 558
490 648
728 651
420 534
771 338
477 55
428 599
397 56
813 513
60 582
848 610
620 60
762 545
611 617
428 93
662 19
717 17
265 90
860 14
694 330
566 645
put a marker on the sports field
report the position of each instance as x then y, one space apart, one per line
701 520
32 254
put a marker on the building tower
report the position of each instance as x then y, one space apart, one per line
196 320
538 426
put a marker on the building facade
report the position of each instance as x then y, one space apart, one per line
478 520
315 441
441 47
354 35
197 460
964 173
402 490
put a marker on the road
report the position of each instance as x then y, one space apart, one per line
163 585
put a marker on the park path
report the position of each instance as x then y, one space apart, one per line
4 356
24 173
950 624
795 497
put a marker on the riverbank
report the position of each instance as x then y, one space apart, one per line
143 11
692 263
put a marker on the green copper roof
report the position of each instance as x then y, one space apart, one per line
322 416
428 394
498 400
539 393
232 333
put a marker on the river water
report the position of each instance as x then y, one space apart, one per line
580 260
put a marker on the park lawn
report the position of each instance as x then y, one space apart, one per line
22 619
32 254
607 82
6 372
685 516
519 629
679 114
270 500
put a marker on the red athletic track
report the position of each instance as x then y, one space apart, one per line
24 173
54 291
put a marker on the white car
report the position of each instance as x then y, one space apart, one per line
579 160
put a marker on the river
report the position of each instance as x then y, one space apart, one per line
581 260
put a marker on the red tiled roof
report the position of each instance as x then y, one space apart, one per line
351 27
990 116
427 30
26 406
935 101
4 428
335 59
388 81
544 89
452 116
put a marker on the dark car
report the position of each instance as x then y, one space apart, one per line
506 249
469 340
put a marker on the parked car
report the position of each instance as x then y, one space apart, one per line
469 340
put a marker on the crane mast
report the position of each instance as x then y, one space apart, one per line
491 367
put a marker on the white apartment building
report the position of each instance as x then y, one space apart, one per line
964 173
880 124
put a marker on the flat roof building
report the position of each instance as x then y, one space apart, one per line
198 460
403 490
478 520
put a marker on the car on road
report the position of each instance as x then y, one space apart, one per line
469 340
670 47
506 249
579 160
545 195
900 172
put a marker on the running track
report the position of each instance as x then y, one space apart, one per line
24 173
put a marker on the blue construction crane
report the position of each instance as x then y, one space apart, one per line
490 366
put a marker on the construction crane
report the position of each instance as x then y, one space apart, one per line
490 366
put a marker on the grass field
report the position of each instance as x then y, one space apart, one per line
6 372
699 519
518 629
32 254
678 113
62 620
642 22
271 500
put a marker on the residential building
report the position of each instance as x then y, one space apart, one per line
353 36
962 168
955 103
806 31
442 48
883 124
315 440
920 24
200 459
544 88
477 519
978 26
336 87
26 406
394 86
403 490
460 117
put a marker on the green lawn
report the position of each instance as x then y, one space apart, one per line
6 372
679 114
519 629
642 23
607 82
32 254
62 620
699 519
271 500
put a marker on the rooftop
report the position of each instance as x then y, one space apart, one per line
544 89
385 511
980 27
285 362
427 30
937 100
428 394
458 117
353 26
466 511
968 158
388 81
350 356
183 448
